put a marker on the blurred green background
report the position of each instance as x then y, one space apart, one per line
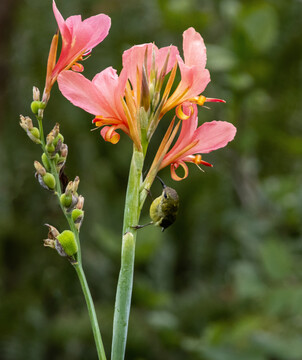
225 281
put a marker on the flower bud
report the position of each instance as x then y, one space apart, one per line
36 94
69 188
45 161
66 200
55 131
75 184
49 181
62 158
39 168
64 151
68 242
26 123
80 203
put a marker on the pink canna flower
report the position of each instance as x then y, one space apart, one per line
136 101
194 140
116 101
194 76
78 39
101 97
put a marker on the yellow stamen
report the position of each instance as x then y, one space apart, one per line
199 100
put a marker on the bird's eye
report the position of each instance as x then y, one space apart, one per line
165 195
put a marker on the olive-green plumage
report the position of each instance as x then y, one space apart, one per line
163 210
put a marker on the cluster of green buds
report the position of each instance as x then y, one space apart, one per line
73 202
55 148
64 243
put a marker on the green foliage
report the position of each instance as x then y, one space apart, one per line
225 281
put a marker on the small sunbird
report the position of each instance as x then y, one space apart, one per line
164 208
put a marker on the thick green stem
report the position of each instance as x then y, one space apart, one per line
92 313
125 281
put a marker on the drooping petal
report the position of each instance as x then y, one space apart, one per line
195 53
194 140
80 92
213 135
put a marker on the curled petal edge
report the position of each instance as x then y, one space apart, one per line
181 115
77 67
109 134
175 166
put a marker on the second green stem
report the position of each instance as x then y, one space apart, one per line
125 281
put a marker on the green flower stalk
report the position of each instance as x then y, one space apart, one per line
125 281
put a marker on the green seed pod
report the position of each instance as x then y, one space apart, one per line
68 242
55 157
50 148
35 132
76 213
66 200
59 137
49 181
35 106
45 162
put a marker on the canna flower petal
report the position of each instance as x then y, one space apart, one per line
78 37
195 52
194 76
100 97
194 140
213 135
